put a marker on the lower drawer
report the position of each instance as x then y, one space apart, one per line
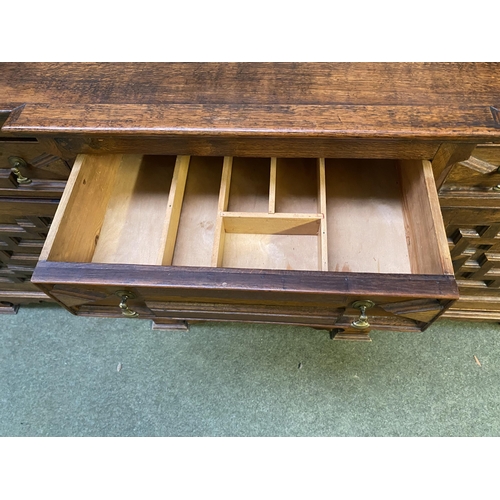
323 300
296 241
402 315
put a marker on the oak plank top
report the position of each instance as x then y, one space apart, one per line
422 101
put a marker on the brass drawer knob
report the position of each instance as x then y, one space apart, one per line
362 322
15 163
125 310
496 188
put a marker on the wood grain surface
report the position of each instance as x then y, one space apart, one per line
450 101
251 83
434 111
232 282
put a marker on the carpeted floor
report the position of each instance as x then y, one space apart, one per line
66 376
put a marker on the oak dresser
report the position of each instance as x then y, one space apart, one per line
339 196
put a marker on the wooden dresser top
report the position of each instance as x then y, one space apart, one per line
409 101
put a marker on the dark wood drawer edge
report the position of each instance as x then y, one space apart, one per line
262 281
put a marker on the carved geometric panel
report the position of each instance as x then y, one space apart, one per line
475 252
423 310
20 246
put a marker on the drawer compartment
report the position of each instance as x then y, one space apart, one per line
251 232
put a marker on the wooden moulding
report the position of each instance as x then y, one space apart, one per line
19 207
211 282
446 157
474 179
290 147
483 167
332 121
7 179
473 315
302 315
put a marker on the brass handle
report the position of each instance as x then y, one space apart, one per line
362 322
15 163
124 308
496 188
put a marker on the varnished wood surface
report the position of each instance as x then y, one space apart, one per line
344 121
250 83
19 207
248 188
370 110
264 146
247 295
129 223
454 101
231 282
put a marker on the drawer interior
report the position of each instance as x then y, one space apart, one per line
345 215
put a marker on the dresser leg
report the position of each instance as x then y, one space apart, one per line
8 307
342 334
169 324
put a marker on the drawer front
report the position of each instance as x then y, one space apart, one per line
319 317
324 300
29 169
251 239
475 182
489 153
410 315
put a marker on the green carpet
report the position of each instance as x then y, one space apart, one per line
59 377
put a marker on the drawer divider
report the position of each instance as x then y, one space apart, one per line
323 236
175 199
264 223
220 233
272 187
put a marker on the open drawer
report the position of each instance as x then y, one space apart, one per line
286 240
